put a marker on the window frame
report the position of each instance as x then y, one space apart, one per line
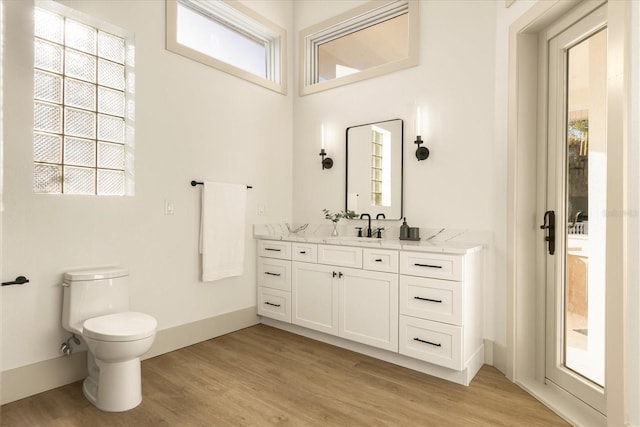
129 99
347 23
242 20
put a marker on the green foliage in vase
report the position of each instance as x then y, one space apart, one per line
335 217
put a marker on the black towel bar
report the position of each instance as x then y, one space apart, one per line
194 183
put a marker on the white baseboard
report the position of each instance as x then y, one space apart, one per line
488 352
32 379
500 357
495 355
185 335
475 362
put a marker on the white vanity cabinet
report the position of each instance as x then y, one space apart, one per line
441 312
417 308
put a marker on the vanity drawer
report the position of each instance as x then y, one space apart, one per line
380 260
431 299
438 266
274 249
433 342
274 273
306 252
275 304
344 256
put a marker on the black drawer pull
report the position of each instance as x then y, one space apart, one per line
427 342
427 265
270 303
272 249
428 299
378 260
271 274
303 252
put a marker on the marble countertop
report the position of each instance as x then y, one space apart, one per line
319 234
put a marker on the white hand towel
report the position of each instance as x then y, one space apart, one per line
222 230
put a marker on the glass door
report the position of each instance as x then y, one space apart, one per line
585 193
576 194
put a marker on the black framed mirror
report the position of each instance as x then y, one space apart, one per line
374 168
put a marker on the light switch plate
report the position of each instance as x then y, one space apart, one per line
168 207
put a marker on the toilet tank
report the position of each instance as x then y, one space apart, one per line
91 293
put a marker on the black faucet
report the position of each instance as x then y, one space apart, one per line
379 229
369 224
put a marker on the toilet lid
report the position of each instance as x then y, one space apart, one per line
127 326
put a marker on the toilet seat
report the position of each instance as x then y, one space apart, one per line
126 326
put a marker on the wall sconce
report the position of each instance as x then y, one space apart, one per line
327 162
422 153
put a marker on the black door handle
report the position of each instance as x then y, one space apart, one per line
550 225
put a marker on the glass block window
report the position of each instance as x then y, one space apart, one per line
82 108
376 168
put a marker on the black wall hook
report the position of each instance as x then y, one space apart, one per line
20 280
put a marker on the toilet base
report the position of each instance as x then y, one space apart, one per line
113 387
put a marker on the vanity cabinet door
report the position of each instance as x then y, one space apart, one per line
369 308
307 252
315 297
433 342
343 256
436 266
431 299
274 273
380 260
274 249
274 303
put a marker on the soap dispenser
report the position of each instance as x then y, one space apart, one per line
404 230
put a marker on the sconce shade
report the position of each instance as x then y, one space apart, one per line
422 153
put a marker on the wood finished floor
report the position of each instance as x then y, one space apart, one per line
261 376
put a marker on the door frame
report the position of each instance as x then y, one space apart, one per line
525 302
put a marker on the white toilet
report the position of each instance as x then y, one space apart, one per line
96 307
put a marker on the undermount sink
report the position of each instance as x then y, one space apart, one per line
373 241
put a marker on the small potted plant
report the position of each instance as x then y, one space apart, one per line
336 217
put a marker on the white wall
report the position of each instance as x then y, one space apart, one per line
454 83
191 122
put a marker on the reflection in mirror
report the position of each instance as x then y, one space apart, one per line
374 169
366 42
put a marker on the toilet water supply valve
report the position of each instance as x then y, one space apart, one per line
66 347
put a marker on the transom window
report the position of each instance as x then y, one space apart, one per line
369 41
83 108
230 37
